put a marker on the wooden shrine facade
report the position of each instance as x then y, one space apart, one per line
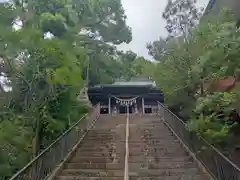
121 97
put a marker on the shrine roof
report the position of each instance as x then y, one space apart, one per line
133 83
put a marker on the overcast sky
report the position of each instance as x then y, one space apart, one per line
145 19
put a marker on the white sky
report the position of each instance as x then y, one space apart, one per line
145 19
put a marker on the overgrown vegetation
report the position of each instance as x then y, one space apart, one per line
213 118
192 58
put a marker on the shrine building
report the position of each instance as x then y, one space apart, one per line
139 95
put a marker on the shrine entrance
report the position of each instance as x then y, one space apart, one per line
125 105
104 110
126 109
122 110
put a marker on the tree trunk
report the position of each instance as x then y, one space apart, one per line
36 149
36 139
201 89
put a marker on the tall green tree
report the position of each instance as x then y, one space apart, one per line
209 54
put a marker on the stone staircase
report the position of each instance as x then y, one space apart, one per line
101 154
154 153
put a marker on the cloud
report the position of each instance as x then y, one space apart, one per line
145 19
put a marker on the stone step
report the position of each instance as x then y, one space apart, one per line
78 156
105 130
157 155
147 138
152 123
153 129
157 145
159 134
104 154
98 138
179 177
95 149
91 166
101 134
96 142
164 172
101 137
93 146
163 159
163 165
159 148
102 166
87 178
152 141
92 143
147 127
92 173
79 165
158 151
89 154
105 157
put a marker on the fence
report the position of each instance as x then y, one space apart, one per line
220 167
43 165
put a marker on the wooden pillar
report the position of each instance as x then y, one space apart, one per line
143 106
109 105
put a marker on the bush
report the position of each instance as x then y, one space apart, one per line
213 118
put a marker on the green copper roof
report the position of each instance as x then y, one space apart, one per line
136 82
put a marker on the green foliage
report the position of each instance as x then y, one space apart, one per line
187 64
176 54
210 53
211 130
124 65
181 17
222 104
219 41
158 48
56 24
15 145
213 118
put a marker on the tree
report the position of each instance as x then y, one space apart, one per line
213 48
157 49
213 118
177 54
144 67
181 17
